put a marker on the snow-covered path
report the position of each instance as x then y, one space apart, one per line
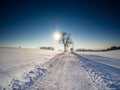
29 69
64 73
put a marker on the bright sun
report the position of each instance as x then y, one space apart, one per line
57 35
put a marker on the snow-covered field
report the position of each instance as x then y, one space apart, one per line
110 54
35 69
15 63
103 68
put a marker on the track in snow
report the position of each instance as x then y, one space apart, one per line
64 73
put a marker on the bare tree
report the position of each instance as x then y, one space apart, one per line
65 40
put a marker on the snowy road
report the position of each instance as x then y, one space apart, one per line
51 70
65 73
72 71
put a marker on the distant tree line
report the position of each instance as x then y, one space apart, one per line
92 50
87 50
113 48
47 48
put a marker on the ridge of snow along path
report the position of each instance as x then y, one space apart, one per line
28 69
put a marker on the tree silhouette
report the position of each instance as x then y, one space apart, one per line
65 40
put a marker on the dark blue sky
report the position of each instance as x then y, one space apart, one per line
31 23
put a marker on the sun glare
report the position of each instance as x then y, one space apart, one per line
57 35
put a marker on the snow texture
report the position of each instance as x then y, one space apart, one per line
17 63
34 69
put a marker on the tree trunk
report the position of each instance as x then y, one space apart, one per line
64 47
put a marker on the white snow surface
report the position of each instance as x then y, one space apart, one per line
15 63
35 69
110 54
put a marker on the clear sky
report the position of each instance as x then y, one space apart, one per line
30 23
